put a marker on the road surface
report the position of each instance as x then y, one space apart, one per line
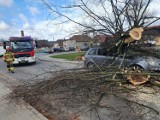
40 70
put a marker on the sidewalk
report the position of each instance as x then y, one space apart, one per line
9 110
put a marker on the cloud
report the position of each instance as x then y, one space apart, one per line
154 7
52 30
3 25
33 10
14 22
27 26
23 18
47 30
7 3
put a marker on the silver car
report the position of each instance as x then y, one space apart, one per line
97 57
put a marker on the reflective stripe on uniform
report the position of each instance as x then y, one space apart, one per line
8 57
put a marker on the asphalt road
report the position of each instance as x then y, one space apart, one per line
38 71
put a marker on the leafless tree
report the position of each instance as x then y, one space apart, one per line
96 89
108 16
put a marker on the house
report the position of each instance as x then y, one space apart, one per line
50 43
77 41
59 43
42 43
151 35
69 44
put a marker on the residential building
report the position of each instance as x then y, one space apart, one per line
51 43
42 43
80 40
59 43
69 44
77 41
151 35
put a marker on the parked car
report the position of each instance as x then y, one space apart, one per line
63 50
84 47
49 51
71 49
57 49
97 57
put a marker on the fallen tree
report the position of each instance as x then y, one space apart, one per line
80 91
106 92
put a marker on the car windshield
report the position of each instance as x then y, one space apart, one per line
16 46
92 52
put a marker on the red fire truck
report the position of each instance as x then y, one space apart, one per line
22 48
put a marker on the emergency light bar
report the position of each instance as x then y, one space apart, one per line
21 38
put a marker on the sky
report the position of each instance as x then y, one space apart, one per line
36 20
32 17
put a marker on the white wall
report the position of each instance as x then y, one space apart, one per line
79 44
56 45
69 43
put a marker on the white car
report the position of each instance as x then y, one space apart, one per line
2 51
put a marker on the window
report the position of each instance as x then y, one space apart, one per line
92 52
21 45
102 51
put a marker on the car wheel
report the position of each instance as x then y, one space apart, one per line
91 66
137 68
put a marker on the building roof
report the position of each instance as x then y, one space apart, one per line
50 43
102 38
60 42
42 43
81 38
153 27
152 30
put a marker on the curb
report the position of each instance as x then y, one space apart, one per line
60 60
19 110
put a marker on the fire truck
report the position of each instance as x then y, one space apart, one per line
22 48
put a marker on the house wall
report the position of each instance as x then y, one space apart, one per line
56 45
149 39
157 40
79 44
42 43
69 43
73 43
153 34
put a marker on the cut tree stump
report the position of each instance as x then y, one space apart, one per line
138 79
134 78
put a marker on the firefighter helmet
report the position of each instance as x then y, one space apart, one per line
7 49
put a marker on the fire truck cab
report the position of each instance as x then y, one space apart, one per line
22 48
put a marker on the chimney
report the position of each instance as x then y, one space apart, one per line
22 33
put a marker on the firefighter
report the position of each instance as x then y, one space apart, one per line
8 57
